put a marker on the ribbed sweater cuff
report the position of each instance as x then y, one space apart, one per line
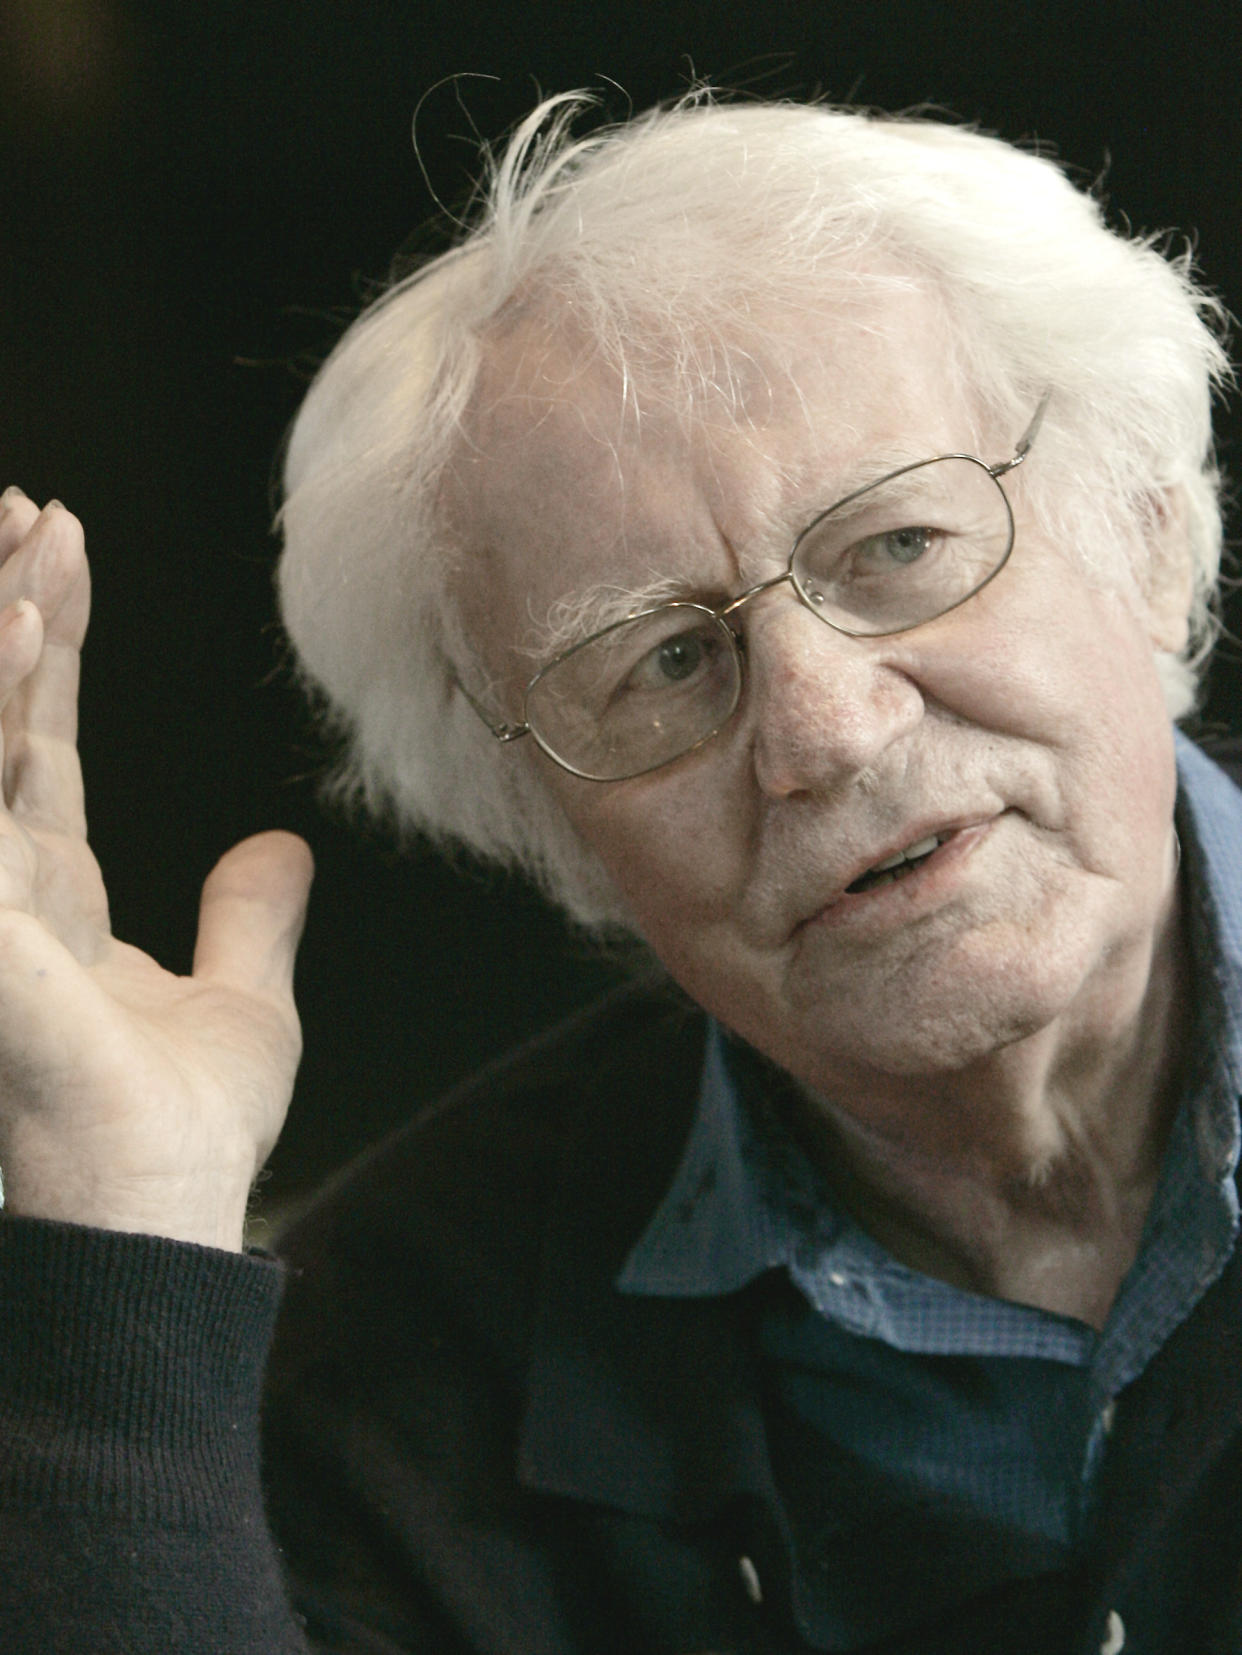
130 1372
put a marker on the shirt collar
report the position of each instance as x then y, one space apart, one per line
713 1232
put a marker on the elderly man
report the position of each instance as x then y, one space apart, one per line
788 535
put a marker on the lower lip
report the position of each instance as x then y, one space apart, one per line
898 899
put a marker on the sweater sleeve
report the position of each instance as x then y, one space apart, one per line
131 1508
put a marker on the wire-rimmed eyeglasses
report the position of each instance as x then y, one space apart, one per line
891 556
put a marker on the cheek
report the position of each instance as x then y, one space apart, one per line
1057 676
677 856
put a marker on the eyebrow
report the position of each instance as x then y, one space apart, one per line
876 468
576 616
889 485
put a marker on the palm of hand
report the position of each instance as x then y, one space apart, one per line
130 1098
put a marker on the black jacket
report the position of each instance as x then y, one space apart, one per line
475 1443
569 1468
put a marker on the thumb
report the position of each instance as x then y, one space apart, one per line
252 912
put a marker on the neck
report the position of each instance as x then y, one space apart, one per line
1029 1175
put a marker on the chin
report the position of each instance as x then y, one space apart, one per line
954 1041
946 1012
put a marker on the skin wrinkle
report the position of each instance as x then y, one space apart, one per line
576 616
988 1060
1035 290
1069 1184
556 358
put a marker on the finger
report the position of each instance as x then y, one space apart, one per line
49 568
43 784
48 565
17 516
42 775
21 643
252 914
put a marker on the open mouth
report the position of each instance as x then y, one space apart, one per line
897 866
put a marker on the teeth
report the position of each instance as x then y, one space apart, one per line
894 867
889 862
910 854
923 848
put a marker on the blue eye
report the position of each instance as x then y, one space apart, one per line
680 658
902 546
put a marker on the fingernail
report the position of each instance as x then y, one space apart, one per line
11 494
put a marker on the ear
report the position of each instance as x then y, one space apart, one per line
1167 585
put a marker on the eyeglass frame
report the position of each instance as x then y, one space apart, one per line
505 732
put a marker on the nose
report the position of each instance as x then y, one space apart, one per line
821 707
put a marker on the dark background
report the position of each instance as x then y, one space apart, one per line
194 197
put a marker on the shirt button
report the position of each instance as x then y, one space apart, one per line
750 1580
1114 1634
837 1279
1108 1413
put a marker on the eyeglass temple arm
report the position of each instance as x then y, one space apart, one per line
502 732
1028 437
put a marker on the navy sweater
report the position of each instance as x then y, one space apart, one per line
474 1443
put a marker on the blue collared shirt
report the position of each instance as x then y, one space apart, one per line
1000 1408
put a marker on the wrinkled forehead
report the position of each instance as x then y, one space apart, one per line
570 484
560 443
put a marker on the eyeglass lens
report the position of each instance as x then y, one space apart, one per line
890 557
909 548
639 694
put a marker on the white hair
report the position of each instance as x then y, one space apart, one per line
663 239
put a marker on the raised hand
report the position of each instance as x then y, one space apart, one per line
130 1098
